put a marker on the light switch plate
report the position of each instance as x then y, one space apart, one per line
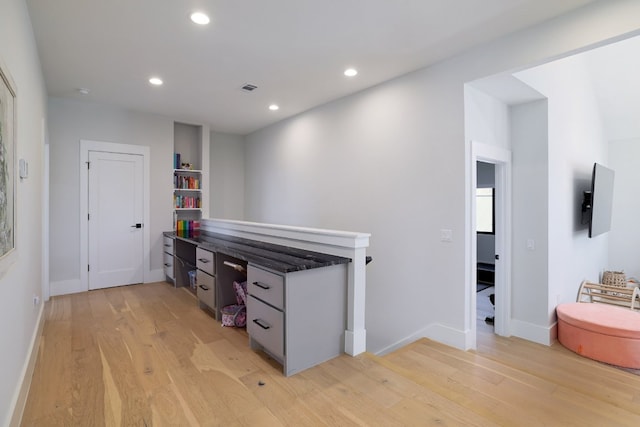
531 244
446 235
23 167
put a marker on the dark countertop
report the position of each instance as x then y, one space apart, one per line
279 258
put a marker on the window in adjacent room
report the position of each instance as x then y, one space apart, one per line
485 210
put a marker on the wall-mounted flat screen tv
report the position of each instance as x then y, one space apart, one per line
601 200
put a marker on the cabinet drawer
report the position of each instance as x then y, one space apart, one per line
205 261
265 325
168 264
268 287
167 245
206 289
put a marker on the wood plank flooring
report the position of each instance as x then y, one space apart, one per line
146 355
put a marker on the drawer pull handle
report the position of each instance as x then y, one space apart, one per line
203 260
204 288
237 267
167 246
167 265
261 323
262 285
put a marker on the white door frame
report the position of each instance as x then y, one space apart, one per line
501 158
46 287
85 147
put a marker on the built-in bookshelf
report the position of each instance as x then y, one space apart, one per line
187 198
190 175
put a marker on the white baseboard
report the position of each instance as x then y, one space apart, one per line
545 335
65 287
73 286
21 393
446 335
437 332
355 342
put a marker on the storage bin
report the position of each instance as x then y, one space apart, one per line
234 315
614 278
192 279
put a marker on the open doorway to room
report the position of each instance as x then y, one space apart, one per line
590 119
489 240
485 245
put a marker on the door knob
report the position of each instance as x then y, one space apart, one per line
138 225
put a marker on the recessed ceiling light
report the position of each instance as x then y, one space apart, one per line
273 107
155 81
83 91
200 18
350 72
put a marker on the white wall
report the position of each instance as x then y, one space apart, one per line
486 248
376 162
486 122
624 237
390 161
227 176
18 315
486 177
184 136
529 281
69 122
576 141
486 118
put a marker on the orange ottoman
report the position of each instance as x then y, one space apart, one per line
601 332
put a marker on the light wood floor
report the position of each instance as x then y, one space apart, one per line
147 355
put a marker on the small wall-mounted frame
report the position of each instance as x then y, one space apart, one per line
7 163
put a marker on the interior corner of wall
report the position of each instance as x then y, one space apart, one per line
64 287
544 335
447 335
156 275
437 332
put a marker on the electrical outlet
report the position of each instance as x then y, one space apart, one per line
36 300
446 235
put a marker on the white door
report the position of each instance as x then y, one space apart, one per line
116 202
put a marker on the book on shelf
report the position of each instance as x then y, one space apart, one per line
186 202
184 225
181 182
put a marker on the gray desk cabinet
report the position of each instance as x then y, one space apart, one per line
298 318
167 258
206 280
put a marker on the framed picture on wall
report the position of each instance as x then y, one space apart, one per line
7 163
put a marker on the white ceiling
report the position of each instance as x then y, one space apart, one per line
294 50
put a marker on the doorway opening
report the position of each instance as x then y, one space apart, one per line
490 260
485 245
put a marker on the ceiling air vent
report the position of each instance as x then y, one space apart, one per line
249 87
